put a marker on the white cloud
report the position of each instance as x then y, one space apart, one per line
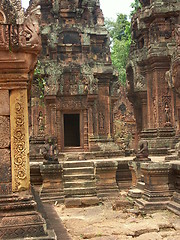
110 7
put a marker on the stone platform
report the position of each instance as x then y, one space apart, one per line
82 182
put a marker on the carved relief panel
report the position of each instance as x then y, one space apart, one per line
4 37
19 140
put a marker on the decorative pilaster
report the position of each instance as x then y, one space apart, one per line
19 140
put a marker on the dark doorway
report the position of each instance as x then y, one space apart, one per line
71 130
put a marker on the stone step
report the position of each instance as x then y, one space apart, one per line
146 205
78 170
171 151
81 201
77 177
110 195
176 197
107 186
78 164
79 184
141 185
79 191
105 191
52 200
171 158
81 195
135 193
47 190
174 207
51 194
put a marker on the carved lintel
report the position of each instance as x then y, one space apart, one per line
19 140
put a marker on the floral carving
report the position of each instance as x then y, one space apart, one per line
19 143
27 35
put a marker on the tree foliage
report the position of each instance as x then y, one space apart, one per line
120 34
135 6
40 80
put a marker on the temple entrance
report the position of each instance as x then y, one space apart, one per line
71 130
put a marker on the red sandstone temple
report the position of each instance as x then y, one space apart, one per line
78 95
153 73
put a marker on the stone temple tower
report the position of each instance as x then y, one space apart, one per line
153 78
76 79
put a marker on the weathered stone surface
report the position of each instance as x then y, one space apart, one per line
89 201
72 202
101 222
153 72
5 170
124 123
19 47
52 183
106 179
76 65
4 103
158 188
149 236
5 188
4 132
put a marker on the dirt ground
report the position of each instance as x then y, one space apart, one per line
103 223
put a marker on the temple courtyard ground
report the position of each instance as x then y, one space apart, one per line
113 219
102 222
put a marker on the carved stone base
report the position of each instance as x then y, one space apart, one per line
106 184
174 204
52 187
19 218
146 205
158 188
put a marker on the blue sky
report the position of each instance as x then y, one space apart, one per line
110 7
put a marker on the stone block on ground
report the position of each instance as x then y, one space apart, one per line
72 202
89 201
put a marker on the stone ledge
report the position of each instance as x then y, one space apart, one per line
81 202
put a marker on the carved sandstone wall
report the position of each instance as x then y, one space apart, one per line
76 67
153 72
19 47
